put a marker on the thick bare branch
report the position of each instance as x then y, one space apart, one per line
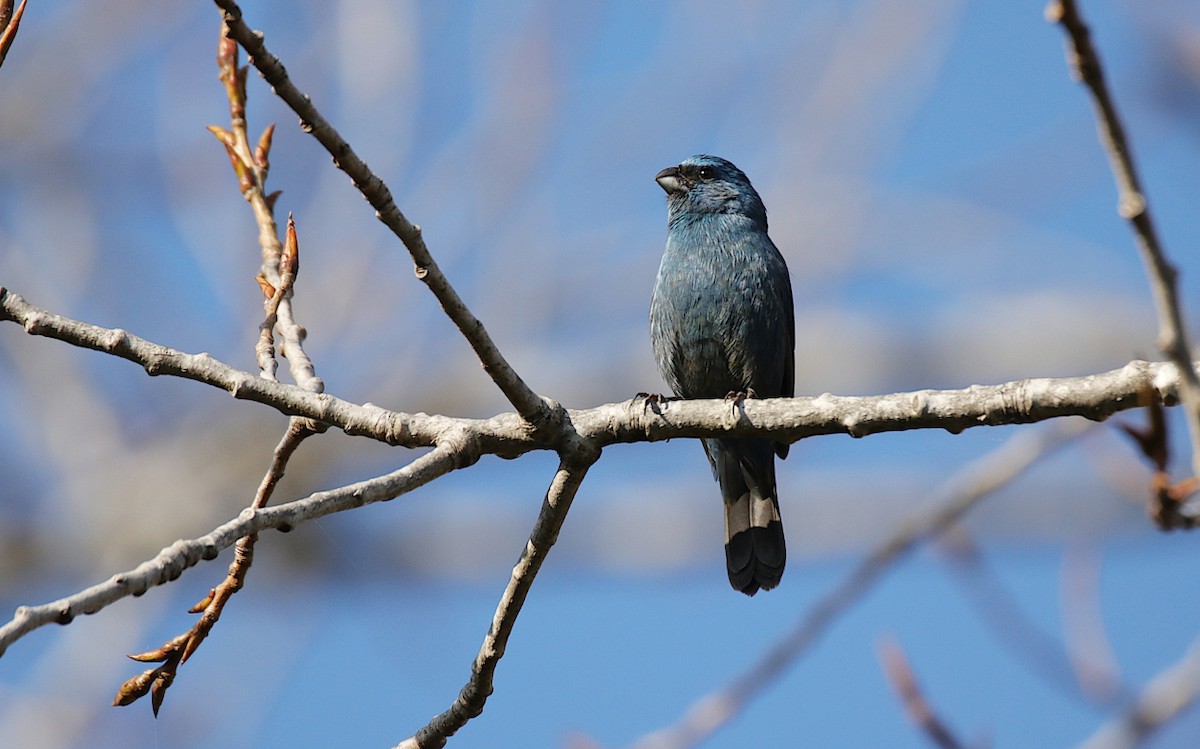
471 699
387 426
1094 397
1134 207
179 556
958 495
532 407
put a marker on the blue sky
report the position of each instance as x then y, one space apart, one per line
933 178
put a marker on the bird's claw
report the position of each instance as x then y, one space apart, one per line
652 401
736 398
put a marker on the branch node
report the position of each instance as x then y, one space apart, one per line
33 323
115 339
853 427
1131 206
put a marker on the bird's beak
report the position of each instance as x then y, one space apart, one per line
669 180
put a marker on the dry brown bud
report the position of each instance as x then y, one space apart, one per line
268 291
203 603
135 688
290 262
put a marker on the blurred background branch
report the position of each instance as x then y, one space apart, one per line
920 711
1165 697
1080 664
957 496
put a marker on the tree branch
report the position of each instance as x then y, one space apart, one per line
386 426
179 556
1134 208
471 699
280 260
532 407
1094 397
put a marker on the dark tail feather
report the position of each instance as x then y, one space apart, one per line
755 551
754 548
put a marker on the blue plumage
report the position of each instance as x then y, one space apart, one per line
721 322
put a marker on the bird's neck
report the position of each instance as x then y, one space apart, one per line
714 221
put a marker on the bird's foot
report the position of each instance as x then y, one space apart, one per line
652 401
735 398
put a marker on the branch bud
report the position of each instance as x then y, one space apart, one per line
262 151
290 262
268 291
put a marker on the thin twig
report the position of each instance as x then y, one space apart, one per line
264 351
251 166
532 407
175 652
1134 207
1170 693
280 268
171 561
279 314
961 493
474 694
1168 500
279 271
1094 397
920 711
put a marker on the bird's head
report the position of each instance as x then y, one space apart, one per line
710 185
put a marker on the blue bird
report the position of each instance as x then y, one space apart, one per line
721 323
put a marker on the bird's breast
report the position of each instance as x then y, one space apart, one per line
713 321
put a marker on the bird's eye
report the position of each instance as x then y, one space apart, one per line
706 173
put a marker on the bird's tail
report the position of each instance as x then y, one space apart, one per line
755 551
754 545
